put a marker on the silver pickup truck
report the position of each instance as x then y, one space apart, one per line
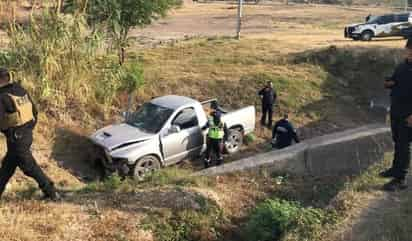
163 132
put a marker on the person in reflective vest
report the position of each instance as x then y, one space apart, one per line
18 117
217 134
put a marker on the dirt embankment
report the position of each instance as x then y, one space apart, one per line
323 89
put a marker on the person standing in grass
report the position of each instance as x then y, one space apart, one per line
216 136
400 85
18 117
268 98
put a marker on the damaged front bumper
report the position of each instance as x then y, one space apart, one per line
111 164
349 32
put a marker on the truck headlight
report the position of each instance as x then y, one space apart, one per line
108 156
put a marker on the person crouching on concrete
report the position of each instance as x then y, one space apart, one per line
283 133
216 137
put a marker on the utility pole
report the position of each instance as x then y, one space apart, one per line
239 18
406 5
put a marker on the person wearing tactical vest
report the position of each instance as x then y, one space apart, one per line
18 117
216 135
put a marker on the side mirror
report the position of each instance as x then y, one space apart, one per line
174 129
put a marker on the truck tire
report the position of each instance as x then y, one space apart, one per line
234 141
367 35
145 165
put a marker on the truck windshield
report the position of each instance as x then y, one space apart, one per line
149 117
373 20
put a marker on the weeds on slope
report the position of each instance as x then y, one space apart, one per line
65 64
166 177
202 224
292 213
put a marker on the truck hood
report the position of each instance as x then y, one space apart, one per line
118 136
356 25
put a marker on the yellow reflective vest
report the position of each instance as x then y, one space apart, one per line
216 131
22 115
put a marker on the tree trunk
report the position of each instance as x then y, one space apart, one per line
122 55
129 104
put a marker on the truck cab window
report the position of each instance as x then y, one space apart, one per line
402 18
386 19
186 119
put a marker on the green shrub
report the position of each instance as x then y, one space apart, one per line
60 59
273 219
186 225
111 183
250 138
56 53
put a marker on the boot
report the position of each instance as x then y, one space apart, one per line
50 193
395 185
207 163
387 173
55 197
219 162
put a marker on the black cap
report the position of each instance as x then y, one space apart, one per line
214 105
409 43
217 114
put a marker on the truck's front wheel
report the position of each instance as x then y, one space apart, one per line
367 35
234 141
146 165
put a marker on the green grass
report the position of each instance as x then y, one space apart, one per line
309 208
185 225
166 177
274 218
233 71
177 176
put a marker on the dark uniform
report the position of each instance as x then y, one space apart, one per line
283 134
215 138
18 117
268 95
401 108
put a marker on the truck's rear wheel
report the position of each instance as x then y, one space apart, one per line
367 35
234 141
146 165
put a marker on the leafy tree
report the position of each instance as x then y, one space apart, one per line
118 17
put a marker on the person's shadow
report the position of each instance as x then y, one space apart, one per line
75 153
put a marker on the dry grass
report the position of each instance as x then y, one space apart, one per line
200 68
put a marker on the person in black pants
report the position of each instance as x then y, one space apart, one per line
401 122
283 133
18 117
268 97
216 136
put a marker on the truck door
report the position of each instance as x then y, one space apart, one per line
401 21
385 26
187 141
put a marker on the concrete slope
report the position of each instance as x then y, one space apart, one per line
346 152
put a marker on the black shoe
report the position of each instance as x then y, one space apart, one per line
395 184
207 163
387 173
219 162
53 196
